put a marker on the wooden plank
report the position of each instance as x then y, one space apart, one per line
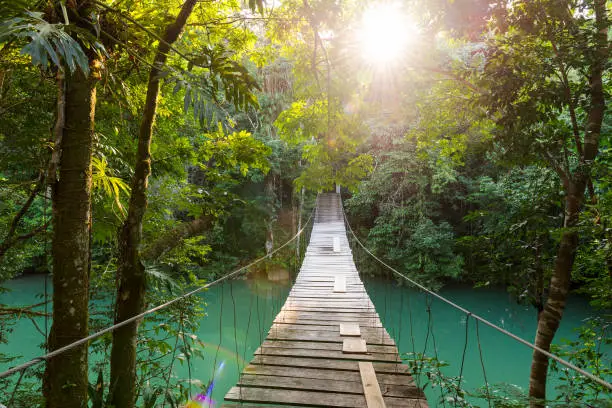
319 373
333 298
336 244
340 284
278 333
243 405
329 315
388 368
329 304
330 294
355 354
311 398
369 332
365 322
310 345
339 384
352 345
371 389
298 308
349 329
405 403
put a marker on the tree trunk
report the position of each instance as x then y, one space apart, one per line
559 285
66 374
130 272
550 317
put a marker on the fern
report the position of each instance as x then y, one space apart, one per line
102 179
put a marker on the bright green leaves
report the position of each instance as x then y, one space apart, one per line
213 79
49 43
330 143
103 180
237 151
402 217
303 121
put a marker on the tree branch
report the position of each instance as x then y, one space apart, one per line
175 236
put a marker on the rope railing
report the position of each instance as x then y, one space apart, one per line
478 318
61 350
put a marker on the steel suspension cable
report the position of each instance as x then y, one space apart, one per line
548 354
132 319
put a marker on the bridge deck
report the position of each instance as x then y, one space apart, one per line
314 354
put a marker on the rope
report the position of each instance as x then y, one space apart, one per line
10 402
465 346
477 317
236 337
132 319
435 349
214 366
484 372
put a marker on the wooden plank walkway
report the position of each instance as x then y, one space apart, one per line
327 346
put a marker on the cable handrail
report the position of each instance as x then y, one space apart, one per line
132 319
561 361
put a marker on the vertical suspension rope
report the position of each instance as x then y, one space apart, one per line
484 372
399 319
214 369
259 329
17 385
414 356
465 345
428 310
435 348
231 285
248 326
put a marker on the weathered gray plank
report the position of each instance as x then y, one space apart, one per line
312 398
338 384
321 373
349 329
353 345
388 368
324 346
354 352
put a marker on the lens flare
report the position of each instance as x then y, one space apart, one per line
386 32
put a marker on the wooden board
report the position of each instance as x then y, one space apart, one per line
346 353
331 374
371 389
323 346
350 329
388 368
339 284
353 345
336 244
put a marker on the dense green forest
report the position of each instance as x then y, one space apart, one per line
149 146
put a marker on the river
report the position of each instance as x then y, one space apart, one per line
231 335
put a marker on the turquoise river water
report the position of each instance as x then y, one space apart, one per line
240 313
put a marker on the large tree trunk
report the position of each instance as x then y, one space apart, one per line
66 375
550 317
131 273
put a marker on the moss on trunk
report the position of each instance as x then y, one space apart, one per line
66 374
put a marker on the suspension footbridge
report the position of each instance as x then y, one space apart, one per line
327 346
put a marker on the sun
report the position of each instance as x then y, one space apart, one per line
385 33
